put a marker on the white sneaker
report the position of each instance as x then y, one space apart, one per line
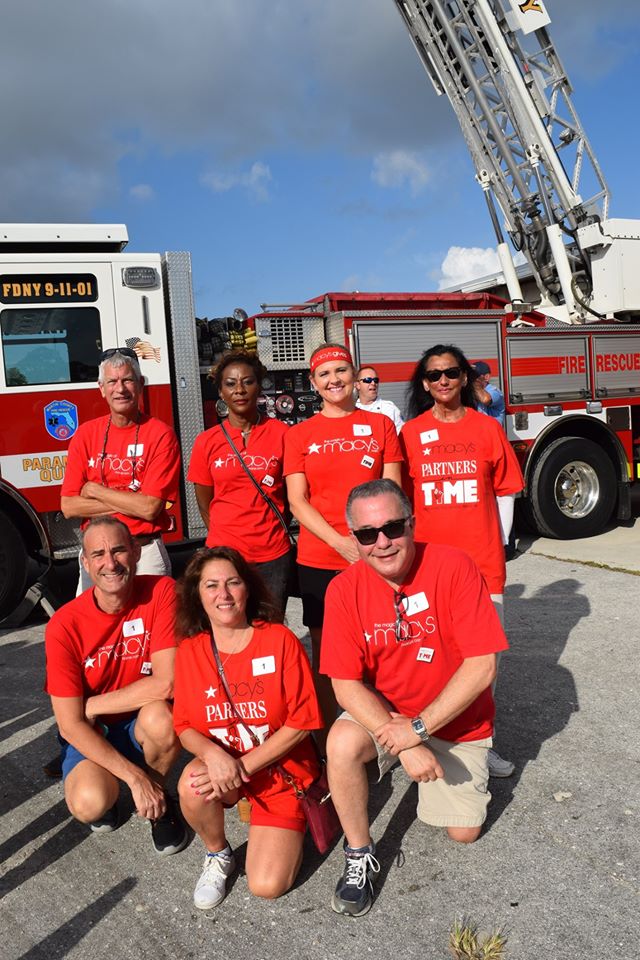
498 767
211 888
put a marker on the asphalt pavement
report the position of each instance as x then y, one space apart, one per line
557 866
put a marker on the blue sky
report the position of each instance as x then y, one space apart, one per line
292 146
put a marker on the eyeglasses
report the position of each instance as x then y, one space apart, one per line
392 530
398 606
369 380
451 373
124 351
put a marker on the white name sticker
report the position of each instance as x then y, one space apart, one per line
425 654
135 449
415 604
429 436
367 462
361 430
146 667
262 665
133 628
267 480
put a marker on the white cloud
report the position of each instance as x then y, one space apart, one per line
142 192
255 180
399 167
463 264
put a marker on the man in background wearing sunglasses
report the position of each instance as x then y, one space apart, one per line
410 639
367 381
124 464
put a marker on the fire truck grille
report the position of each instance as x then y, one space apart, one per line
64 534
286 343
287 338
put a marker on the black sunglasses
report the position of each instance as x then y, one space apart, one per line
451 373
124 351
369 380
392 529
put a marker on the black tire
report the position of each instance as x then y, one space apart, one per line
573 489
13 566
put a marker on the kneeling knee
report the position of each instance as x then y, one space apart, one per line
268 888
464 834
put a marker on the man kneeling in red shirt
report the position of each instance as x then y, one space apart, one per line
409 640
110 659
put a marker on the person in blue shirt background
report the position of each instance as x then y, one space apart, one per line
495 408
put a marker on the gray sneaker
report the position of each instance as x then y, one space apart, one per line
354 891
107 823
211 888
498 766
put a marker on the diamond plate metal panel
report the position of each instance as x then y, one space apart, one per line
176 269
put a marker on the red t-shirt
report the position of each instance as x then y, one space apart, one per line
153 461
447 617
336 454
238 516
90 652
456 471
272 686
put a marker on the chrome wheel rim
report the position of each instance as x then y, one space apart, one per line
576 489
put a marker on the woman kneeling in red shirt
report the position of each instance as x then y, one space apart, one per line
248 740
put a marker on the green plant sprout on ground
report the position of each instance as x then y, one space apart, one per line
464 942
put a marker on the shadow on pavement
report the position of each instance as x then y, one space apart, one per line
61 941
536 696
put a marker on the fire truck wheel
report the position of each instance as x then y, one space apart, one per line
13 566
573 489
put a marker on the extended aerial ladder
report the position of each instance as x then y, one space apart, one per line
495 61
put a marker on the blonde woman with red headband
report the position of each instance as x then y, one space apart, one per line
325 457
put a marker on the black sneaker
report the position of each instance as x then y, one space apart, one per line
168 832
354 892
107 823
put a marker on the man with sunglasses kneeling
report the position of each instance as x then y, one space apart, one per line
409 640
124 464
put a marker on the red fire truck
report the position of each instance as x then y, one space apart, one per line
68 291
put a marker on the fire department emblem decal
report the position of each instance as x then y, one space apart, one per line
61 419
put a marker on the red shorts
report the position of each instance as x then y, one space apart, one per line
273 802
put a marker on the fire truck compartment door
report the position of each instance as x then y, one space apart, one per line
394 347
141 318
547 368
617 365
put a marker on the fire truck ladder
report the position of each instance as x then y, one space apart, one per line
515 110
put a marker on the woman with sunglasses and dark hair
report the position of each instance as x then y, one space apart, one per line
236 470
244 705
461 472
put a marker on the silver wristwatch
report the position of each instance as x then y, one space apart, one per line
419 728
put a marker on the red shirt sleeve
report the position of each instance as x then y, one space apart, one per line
164 616
507 475
162 473
199 471
294 450
181 685
392 451
64 668
341 653
74 473
303 712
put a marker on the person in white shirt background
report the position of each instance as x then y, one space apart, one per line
367 381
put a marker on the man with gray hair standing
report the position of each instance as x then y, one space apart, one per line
124 464
409 640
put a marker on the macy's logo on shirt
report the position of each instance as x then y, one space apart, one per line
254 462
129 648
342 445
410 630
114 464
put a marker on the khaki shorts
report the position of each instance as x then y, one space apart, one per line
461 798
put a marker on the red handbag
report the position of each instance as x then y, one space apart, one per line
322 819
